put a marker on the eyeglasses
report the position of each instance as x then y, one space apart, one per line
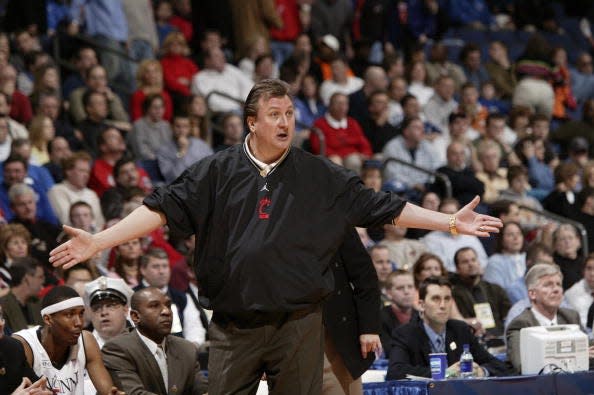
109 306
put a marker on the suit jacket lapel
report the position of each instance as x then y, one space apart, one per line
174 370
423 342
153 367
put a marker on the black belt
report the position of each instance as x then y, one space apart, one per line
256 319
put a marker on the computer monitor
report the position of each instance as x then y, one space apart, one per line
565 346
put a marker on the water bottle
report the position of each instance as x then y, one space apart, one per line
466 362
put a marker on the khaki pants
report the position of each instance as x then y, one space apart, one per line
290 352
337 378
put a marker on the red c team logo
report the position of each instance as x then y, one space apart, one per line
263 208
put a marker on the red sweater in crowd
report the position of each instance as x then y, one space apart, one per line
177 66
341 142
136 105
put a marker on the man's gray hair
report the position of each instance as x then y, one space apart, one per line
540 270
20 189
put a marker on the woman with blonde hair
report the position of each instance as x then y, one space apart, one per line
149 80
199 122
178 69
41 132
15 242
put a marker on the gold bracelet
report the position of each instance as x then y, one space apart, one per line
453 229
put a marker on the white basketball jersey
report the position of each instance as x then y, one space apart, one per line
68 380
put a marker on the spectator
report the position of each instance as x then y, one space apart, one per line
396 91
517 291
44 234
256 48
584 128
412 147
400 289
584 211
532 153
84 59
493 175
445 245
163 14
477 298
439 66
374 79
15 129
582 78
470 106
181 151
562 199
345 142
380 256
15 242
107 22
434 332
20 109
199 119
37 176
564 99
41 132
220 76
517 178
403 252
173 366
475 71
441 104
534 71
509 262
461 133
501 70
58 149
46 80
126 176
127 262
567 244
96 81
150 132
544 289
376 125
341 81
149 81
81 216
50 105
181 18
465 185
15 172
580 295
155 271
77 169
334 18
20 306
308 105
417 83
179 67
431 201
232 131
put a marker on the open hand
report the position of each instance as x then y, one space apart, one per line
79 248
469 222
37 388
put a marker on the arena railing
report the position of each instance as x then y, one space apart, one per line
433 174
564 220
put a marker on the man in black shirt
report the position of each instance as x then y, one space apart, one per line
269 219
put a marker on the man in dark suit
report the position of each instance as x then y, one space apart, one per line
544 283
148 357
434 332
156 272
21 306
474 296
400 289
351 318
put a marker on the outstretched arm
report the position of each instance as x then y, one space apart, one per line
467 221
82 245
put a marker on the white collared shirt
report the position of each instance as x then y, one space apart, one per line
334 123
542 320
264 168
158 353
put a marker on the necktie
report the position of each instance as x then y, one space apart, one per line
439 342
162 362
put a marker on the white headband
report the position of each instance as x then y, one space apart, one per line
63 305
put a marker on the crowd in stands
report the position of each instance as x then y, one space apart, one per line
103 101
